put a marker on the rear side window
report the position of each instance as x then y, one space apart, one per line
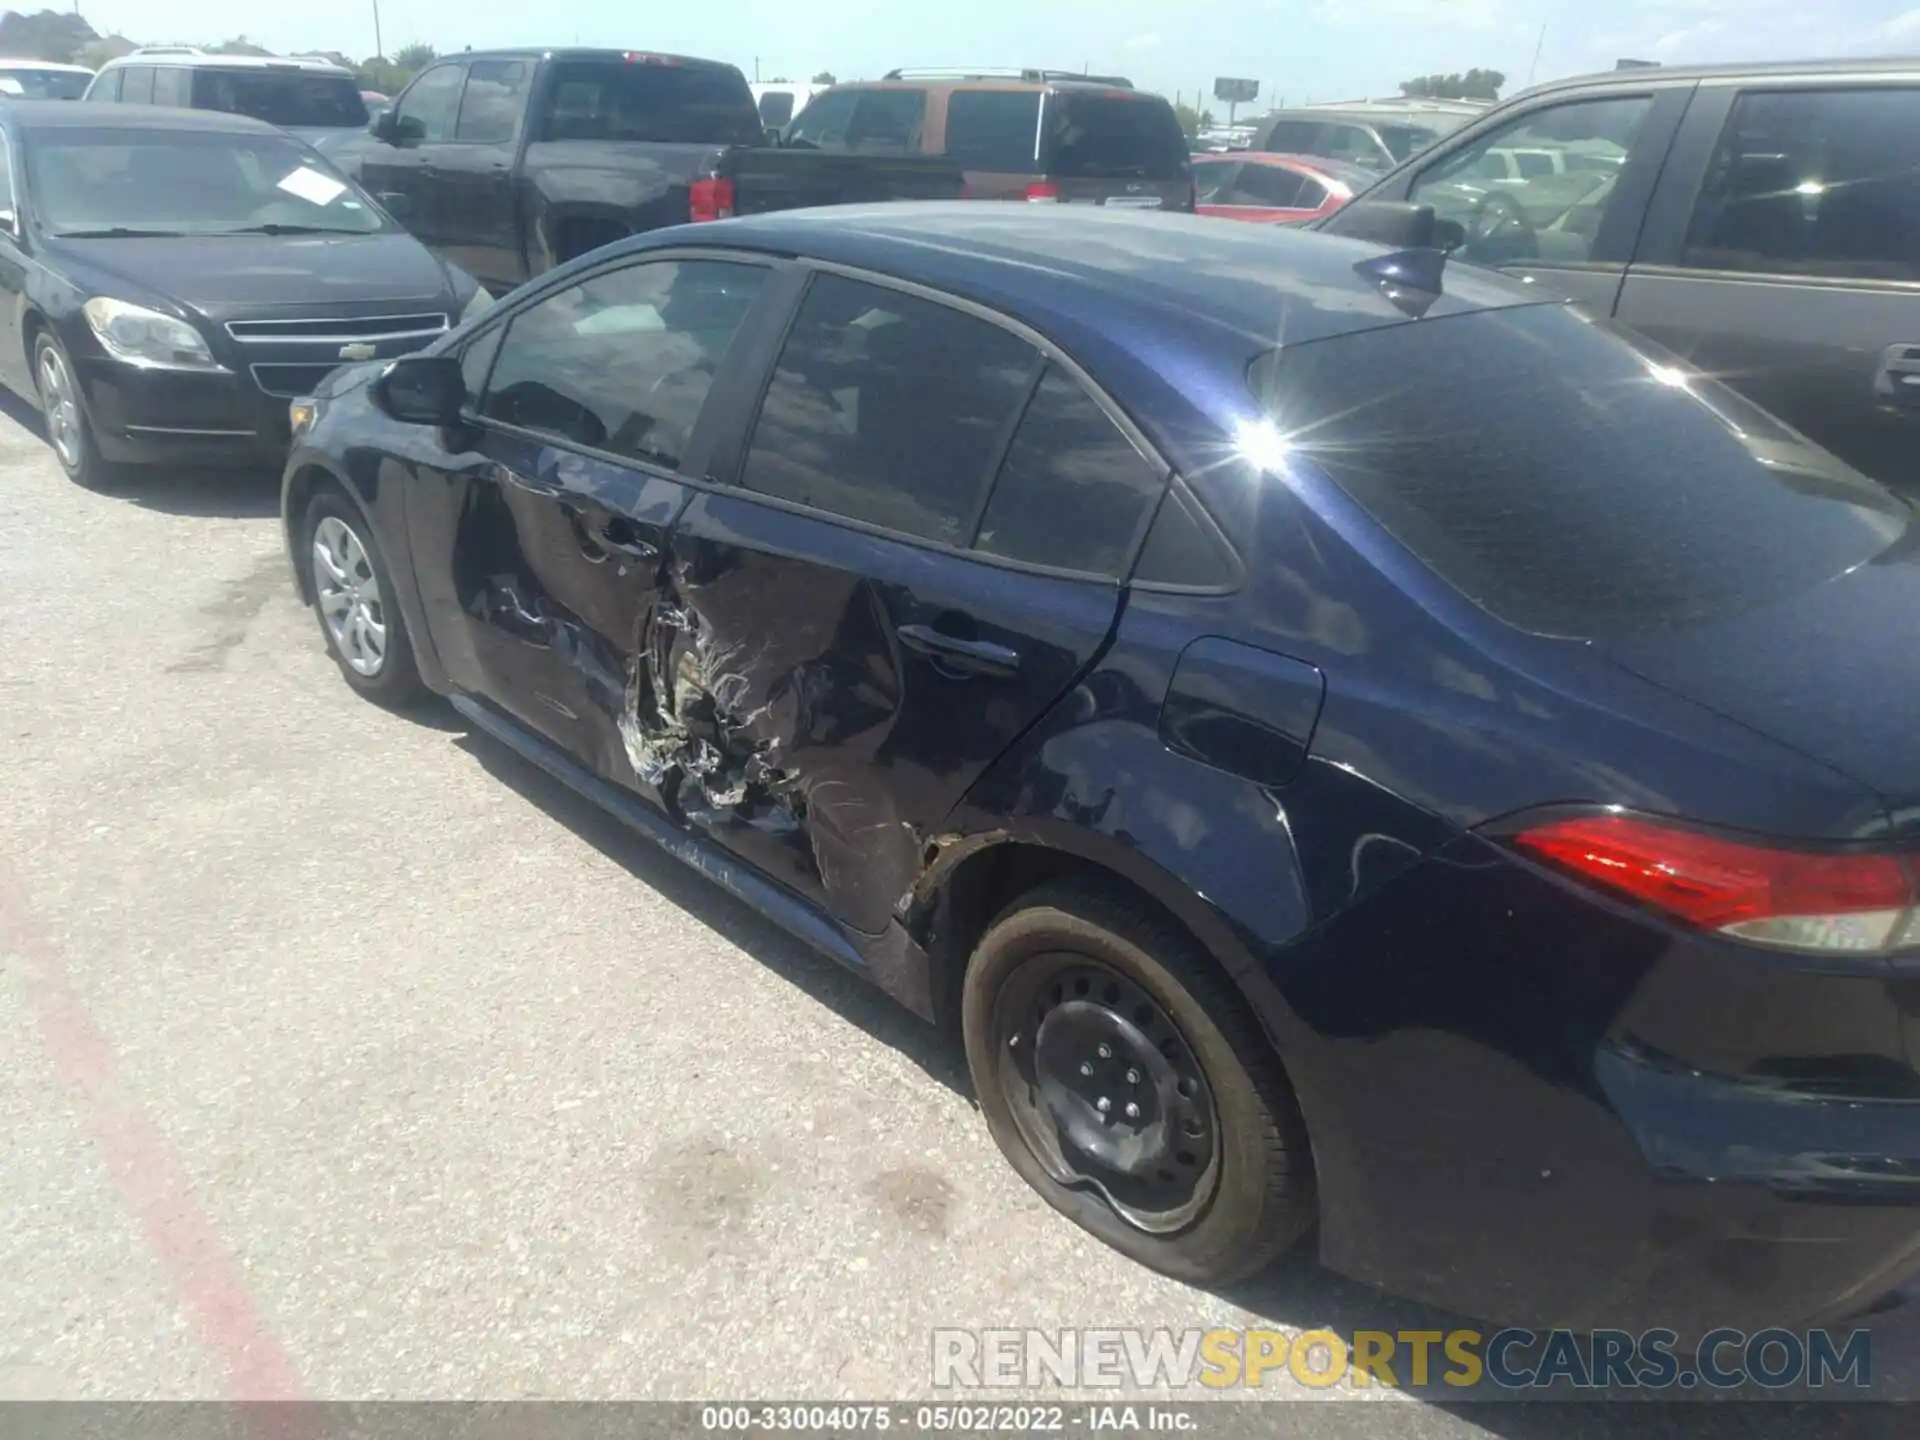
622 362
1292 137
1406 141
889 409
106 85
996 130
823 124
1566 479
291 99
1814 182
173 86
1266 185
1102 137
662 103
1073 492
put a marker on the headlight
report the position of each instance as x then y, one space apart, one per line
478 305
141 336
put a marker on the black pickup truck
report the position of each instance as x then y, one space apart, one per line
509 162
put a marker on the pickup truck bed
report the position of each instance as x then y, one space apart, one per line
512 162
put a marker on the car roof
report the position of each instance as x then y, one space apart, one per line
26 62
1640 76
948 83
1112 279
588 52
110 115
205 60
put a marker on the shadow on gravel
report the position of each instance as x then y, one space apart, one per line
855 999
251 493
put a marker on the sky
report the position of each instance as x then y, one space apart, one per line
1297 49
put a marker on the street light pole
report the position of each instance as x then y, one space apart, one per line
378 48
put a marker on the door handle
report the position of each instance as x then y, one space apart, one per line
954 654
506 475
620 536
1897 382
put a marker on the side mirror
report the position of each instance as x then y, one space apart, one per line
772 136
386 126
1398 224
422 390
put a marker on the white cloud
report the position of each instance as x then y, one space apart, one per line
1676 41
1902 29
1141 43
1439 14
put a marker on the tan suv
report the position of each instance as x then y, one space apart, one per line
1042 135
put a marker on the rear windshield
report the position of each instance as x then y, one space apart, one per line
1092 137
993 130
48 84
667 104
1565 478
291 100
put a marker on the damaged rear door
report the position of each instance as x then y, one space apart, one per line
921 552
541 550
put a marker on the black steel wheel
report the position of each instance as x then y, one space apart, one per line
1122 1077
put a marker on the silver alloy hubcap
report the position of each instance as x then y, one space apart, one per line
350 601
62 408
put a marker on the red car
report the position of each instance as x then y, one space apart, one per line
1272 189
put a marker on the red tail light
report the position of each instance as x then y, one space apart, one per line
1042 191
1790 899
709 199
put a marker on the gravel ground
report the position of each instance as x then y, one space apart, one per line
341 1055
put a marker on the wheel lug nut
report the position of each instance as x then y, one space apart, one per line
1105 1052
1133 1111
1133 1077
1086 1069
1103 1104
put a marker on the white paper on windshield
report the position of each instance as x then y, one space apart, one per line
310 184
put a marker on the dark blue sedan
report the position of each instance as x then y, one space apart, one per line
1349 739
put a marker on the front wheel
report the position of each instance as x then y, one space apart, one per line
69 431
353 594
1126 1083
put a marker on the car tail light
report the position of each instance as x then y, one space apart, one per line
709 199
1755 891
644 57
1042 191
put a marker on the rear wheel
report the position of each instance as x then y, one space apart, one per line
1124 1081
353 593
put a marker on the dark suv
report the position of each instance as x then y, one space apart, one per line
1762 220
1451 775
1017 135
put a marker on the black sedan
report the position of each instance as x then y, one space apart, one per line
1349 738
171 279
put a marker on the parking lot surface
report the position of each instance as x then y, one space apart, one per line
343 1055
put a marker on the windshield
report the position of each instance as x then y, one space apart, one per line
48 84
181 182
1355 177
1100 136
1567 479
295 100
662 103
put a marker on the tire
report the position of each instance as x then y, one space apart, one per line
1252 1192
69 431
360 620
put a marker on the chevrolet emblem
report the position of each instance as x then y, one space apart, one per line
359 350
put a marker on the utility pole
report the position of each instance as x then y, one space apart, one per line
756 69
379 48
1538 47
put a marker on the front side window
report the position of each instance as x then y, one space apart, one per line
1516 197
1405 141
1292 137
1814 182
431 107
887 122
889 409
1267 186
37 84
185 182
495 98
1213 181
622 362
136 85
994 130
1073 492
823 124
173 85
